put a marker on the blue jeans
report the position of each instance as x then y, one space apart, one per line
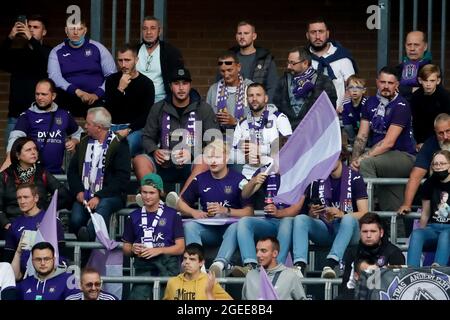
80 216
252 228
195 232
434 235
134 138
345 231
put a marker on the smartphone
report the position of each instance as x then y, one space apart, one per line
22 18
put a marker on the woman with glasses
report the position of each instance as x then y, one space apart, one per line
25 168
434 230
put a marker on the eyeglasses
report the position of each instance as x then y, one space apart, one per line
228 63
293 63
355 88
439 164
40 260
93 284
148 63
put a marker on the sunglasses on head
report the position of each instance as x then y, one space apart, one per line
228 63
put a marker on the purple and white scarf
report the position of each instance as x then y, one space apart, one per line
256 127
377 123
149 227
222 96
302 84
165 130
410 71
91 186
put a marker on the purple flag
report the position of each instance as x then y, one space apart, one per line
109 261
47 232
267 290
311 152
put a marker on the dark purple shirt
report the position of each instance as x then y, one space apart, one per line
398 113
359 191
55 288
22 223
49 130
227 191
168 229
352 115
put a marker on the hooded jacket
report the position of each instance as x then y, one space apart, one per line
288 285
57 286
180 288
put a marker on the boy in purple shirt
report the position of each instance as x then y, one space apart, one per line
154 235
330 213
219 191
48 283
351 114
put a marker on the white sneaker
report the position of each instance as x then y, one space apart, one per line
217 269
298 271
172 200
328 273
139 200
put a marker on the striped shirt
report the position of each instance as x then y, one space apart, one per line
102 296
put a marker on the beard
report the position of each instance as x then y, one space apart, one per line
256 110
150 44
444 145
318 48
46 107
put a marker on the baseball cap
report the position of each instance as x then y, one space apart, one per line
181 74
152 179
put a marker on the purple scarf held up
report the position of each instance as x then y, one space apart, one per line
302 84
91 187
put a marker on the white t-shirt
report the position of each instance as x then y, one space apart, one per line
7 278
277 124
342 68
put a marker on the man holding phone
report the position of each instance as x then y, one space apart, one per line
25 57
330 214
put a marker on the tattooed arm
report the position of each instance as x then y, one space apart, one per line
361 139
381 147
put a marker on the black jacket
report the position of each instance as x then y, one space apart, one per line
46 184
117 169
384 254
283 103
151 135
171 60
27 66
425 108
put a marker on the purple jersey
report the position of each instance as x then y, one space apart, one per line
168 229
397 113
49 130
22 223
54 288
352 115
82 68
358 191
227 191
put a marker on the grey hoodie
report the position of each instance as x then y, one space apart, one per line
288 286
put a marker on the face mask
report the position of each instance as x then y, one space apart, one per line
77 43
440 175
150 44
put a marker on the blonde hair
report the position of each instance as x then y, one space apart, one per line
217 144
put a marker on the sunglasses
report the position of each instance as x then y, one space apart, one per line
228 63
